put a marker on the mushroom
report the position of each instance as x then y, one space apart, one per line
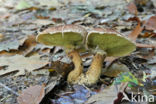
103 42
72 38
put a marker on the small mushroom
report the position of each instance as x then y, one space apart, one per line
103 42
72 38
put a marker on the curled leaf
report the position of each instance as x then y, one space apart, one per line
137 30
151 23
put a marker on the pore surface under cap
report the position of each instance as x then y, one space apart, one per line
112 43
68 36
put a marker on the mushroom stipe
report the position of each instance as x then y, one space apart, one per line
92 75
75 39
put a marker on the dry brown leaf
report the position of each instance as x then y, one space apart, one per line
7 44
135 33
151 23
148 35
132 8
107 96
137 30
31 95
20 63
27 46
62 68
115 69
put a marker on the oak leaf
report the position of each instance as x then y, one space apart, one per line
20 63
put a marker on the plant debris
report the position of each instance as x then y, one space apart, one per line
26 65
21 64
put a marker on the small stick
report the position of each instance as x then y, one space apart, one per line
9 89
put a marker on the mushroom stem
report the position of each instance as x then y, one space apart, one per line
73 75
94 71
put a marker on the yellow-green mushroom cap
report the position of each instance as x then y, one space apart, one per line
67 36
109 41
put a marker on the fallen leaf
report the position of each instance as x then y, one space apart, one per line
137 30
7 44
115 69
132 8
151 23
52 82
78 96
126 77
20 63
135 33
31 95
154 3
148 35
62 68
26 46
152 61
153 71
109 95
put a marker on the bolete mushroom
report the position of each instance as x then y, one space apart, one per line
106 42
72 38
103 42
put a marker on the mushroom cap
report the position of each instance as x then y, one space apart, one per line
68 36
109 41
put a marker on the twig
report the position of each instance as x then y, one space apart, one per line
5 98
9 89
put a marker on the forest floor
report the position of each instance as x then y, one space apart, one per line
42 70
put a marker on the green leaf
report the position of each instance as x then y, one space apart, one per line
126 77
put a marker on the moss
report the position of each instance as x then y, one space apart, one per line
111 43
67 40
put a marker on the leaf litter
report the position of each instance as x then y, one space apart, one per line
21 50
21 64
31 95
